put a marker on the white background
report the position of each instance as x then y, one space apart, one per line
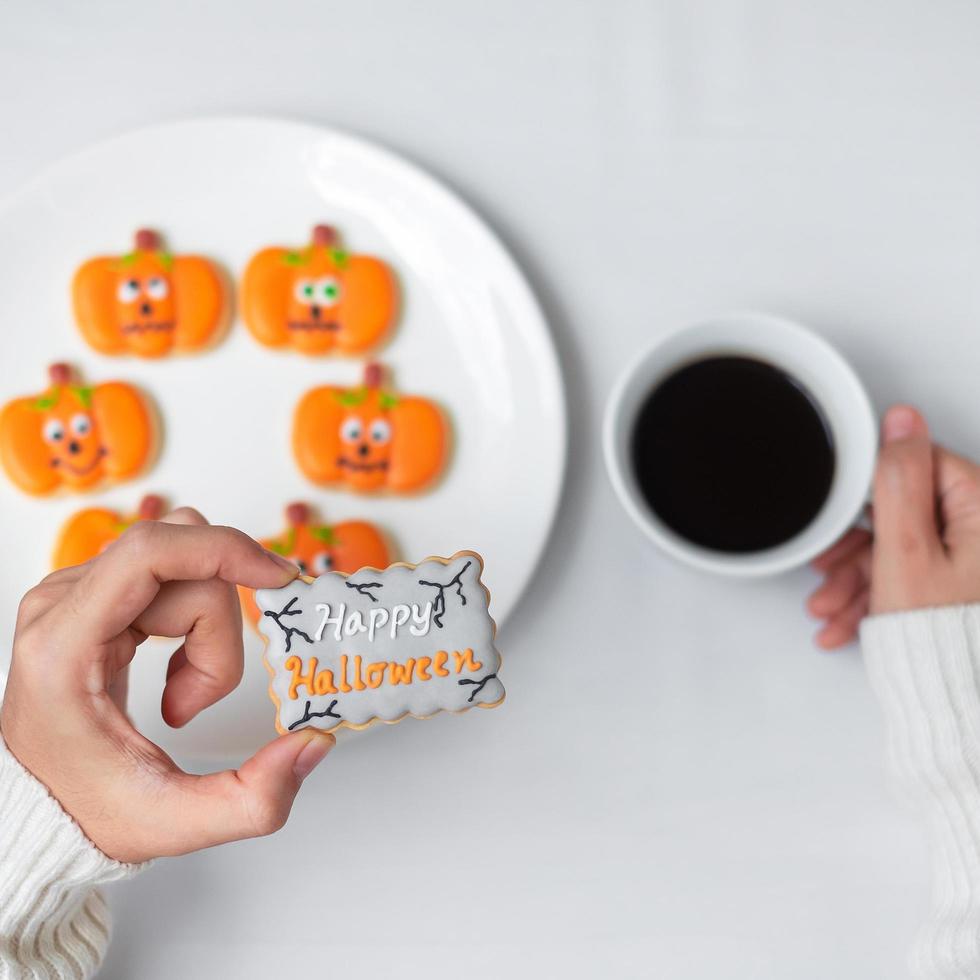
678 785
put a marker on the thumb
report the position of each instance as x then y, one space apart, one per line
906 538
255 800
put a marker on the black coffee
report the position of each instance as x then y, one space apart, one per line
733 454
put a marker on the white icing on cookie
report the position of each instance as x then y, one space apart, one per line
349 650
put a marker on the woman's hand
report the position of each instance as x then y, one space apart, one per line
62 713
925 549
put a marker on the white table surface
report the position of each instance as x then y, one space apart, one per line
679 785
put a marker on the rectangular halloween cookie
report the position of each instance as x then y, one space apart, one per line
349 650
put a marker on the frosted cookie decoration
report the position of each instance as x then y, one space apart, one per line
315 548
75 437
369 438
87 533
319 299
346 651
150 302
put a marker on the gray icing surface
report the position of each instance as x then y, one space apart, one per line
402 645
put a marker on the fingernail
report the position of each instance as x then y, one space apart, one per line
313 754
283 562
900 423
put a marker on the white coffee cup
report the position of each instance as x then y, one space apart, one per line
809 359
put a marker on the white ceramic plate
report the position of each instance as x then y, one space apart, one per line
471 336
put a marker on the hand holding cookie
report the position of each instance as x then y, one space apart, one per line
63 716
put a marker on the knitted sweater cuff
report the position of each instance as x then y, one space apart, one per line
925 668
53 921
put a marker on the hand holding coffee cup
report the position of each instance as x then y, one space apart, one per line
925 551
743 445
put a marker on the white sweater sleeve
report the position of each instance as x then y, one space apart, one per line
925 668
54 923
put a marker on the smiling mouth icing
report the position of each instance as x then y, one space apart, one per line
85 470
355 467
314 326
149 326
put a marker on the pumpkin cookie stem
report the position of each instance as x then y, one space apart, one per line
146 240
151 507
60 374
298 514
324 235
373 375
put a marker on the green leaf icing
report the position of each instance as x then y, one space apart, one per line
340 257
128 259
352 396
324 534
387 400
48 400
288 544
166 260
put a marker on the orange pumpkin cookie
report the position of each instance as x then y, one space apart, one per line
74 437
149 302
318 299
318 548
89 532
368 438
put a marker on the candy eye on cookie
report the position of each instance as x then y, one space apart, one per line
81 424
157 287
322 562
128 290
303 291
351 430
317 293
380 433
53 431
327 291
